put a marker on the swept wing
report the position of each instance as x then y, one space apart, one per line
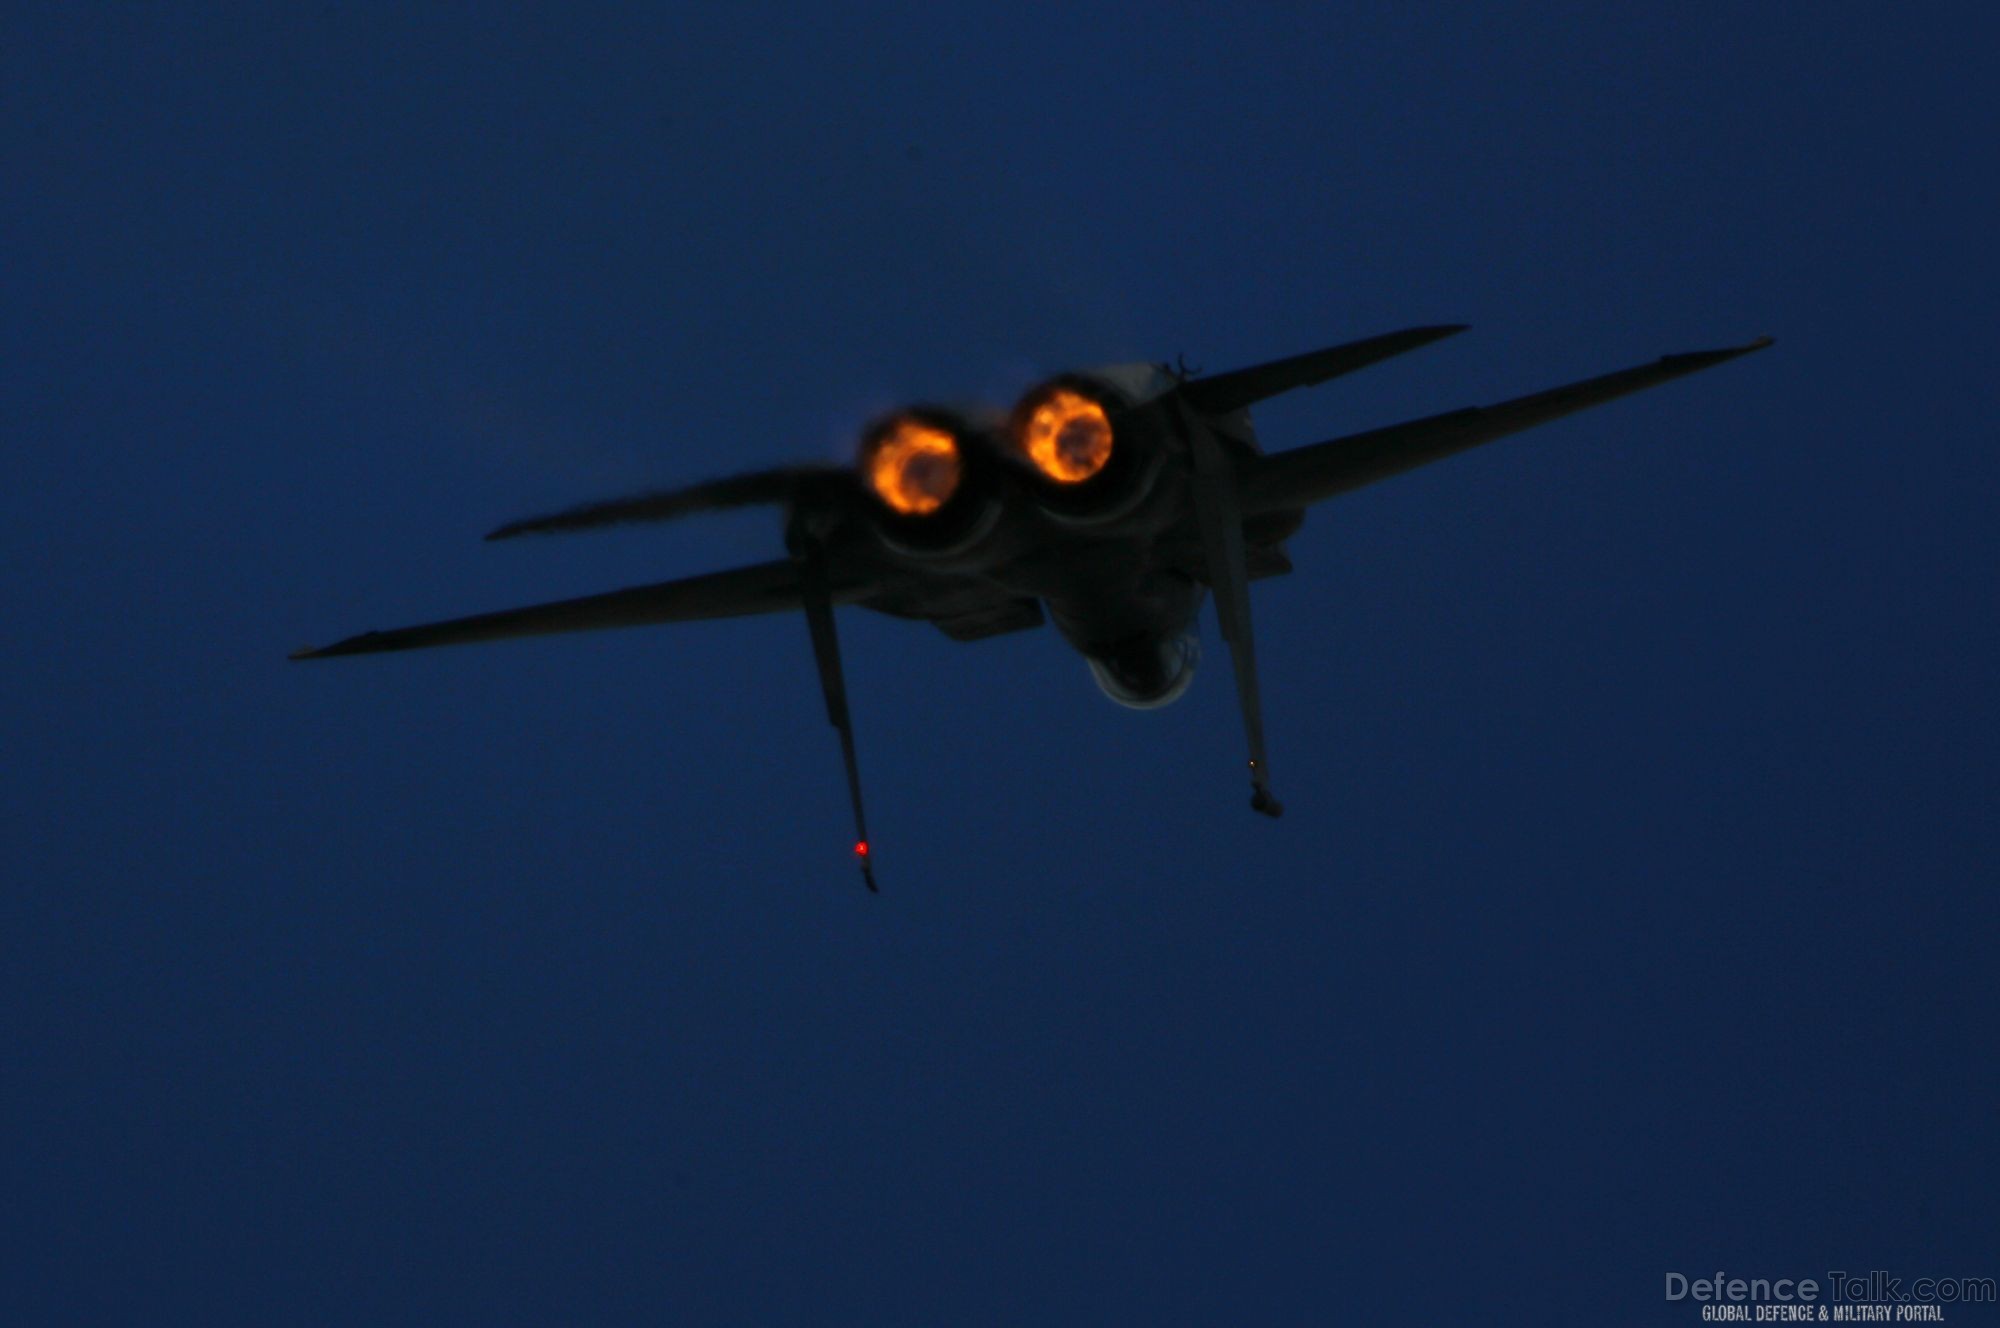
1307 475
760 588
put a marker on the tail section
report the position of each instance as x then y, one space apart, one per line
1221 393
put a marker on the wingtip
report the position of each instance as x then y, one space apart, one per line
1747 348
353 645
1701 359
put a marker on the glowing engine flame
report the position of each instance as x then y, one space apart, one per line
914 467
1067 436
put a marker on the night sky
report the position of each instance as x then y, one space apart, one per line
1634 911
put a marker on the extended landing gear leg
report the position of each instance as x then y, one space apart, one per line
818 602
1220 517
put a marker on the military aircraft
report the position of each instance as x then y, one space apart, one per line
1111 500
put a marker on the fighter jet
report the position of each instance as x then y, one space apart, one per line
1111 501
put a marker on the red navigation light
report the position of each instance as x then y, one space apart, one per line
860 848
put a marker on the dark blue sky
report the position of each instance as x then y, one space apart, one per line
1635 908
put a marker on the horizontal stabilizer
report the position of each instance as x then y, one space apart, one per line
763 588
1224 392
1306 475
782 485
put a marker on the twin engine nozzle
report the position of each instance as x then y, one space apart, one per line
915 462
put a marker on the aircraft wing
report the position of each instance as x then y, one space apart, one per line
1306 475
760 487
762 588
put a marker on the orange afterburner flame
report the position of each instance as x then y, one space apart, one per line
1067 436
914 467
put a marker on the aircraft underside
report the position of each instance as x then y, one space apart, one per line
1112 502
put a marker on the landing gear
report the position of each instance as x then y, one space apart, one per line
818 600
1219 514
